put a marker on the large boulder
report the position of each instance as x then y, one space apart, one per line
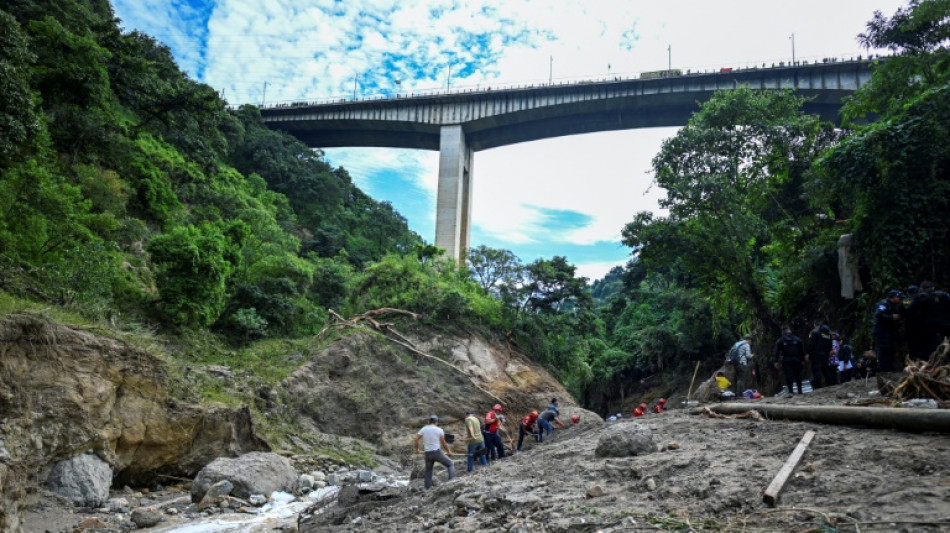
625 440
85 479
251 473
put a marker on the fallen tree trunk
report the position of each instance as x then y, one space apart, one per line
937 420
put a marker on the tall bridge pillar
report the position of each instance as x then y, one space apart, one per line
454 201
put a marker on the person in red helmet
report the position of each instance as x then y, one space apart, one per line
576 419
660 405
493 428
528 426
640 410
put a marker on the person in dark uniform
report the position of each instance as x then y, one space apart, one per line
789 356
818 350
887 317
931 310
912 319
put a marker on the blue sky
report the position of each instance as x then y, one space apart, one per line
568 196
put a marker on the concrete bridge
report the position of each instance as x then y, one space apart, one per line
457 124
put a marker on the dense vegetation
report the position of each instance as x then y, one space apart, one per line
133 194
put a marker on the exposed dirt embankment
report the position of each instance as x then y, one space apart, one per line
64 391
366 387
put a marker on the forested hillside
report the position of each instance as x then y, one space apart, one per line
130 192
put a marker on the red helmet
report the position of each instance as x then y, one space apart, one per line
534 415
497 407
661 401
643 406
575 419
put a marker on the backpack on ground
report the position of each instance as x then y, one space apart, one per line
733 356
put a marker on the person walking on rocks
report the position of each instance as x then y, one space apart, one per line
789 356
433 442
527 427
544 423
475 441
493 428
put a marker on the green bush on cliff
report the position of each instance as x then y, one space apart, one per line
436 289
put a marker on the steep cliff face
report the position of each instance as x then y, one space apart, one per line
64 391
366 387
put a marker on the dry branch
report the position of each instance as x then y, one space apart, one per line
390 333
925 379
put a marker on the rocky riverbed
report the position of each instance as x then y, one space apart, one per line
674 471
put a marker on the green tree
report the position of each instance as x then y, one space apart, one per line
495 270
733 178
192 264
20 123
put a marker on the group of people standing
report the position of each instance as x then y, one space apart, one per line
923 312
483 437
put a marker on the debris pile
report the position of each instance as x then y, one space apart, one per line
924 379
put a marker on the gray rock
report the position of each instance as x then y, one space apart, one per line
257 499
85 479
146 517
251 473
595 491
305 482
364 476
625 440
221 488
117 505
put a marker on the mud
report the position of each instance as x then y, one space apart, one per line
706 475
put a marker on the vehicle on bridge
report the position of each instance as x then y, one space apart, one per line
656 74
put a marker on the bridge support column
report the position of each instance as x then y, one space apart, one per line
454 201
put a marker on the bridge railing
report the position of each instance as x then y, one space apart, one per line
612 78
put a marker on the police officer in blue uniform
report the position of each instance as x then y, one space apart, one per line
887 317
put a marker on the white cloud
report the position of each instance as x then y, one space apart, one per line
596 270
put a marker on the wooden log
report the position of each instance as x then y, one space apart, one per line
775 487
690 393
936 420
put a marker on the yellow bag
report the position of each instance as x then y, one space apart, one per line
723 382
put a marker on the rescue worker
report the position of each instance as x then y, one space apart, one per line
433 443
917 341
528 426
932 308
887 317
660 405
493 427
475 441
818 351
640 410
544 423
790 356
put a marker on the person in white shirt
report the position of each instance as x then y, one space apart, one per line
433 442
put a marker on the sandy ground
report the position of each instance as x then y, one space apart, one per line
709 475
706 475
